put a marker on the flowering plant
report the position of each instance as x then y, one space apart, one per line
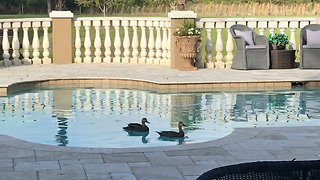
188 29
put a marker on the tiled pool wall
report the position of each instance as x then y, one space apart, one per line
158 87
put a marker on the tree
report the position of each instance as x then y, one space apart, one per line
103 5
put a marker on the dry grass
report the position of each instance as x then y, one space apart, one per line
254 9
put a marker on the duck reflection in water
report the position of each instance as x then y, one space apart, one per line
179 140
142 134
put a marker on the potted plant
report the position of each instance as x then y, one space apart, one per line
278 41
282 59
188 35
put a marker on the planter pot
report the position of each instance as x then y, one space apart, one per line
187 47
275 47
281 47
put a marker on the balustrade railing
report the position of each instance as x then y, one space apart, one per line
223 56
21 43
122 40
143 40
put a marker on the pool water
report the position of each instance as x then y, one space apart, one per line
92 117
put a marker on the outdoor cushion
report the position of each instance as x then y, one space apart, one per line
247 35
313 37
256 47
312 46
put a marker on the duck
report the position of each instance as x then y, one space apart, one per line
173 134
138 127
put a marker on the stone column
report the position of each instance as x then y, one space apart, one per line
61 36
177 17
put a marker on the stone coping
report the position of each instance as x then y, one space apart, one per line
152 86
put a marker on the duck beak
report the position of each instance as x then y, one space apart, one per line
147 122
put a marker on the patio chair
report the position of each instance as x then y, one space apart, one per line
266 170
310 47
252 49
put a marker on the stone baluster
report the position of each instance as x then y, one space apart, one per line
252 24
293 26
126 41
272 25
262 25
143 42
164 43
208 47
198 57
6 45
35 43
135 42
107 42
77 43
151 43
15 44
26 43
283 25
158 43
229 46
97 42
117 41
87 42
219 45
168 63
46 44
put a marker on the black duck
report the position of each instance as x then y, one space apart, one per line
138 127
173 134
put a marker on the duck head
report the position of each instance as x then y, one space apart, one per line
144 120
180 124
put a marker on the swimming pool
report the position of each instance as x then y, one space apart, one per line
93 117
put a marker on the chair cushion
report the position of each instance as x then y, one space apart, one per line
313 37
247 35
312 46
256 47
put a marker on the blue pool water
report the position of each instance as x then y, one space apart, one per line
92 117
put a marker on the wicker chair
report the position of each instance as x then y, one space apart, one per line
309 51
254 55
266 170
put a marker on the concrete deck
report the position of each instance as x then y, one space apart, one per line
25 160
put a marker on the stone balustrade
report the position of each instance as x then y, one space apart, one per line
261 24
143 40
20 48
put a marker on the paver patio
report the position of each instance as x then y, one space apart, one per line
26 160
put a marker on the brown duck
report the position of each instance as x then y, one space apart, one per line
138 127
173 134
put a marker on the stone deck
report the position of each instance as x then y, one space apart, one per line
25 160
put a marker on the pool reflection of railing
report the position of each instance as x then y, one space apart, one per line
261 107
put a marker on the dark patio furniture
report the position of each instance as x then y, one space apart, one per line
282 59
310 47
265 170
252 49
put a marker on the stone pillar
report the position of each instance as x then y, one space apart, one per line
61 36
177 17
